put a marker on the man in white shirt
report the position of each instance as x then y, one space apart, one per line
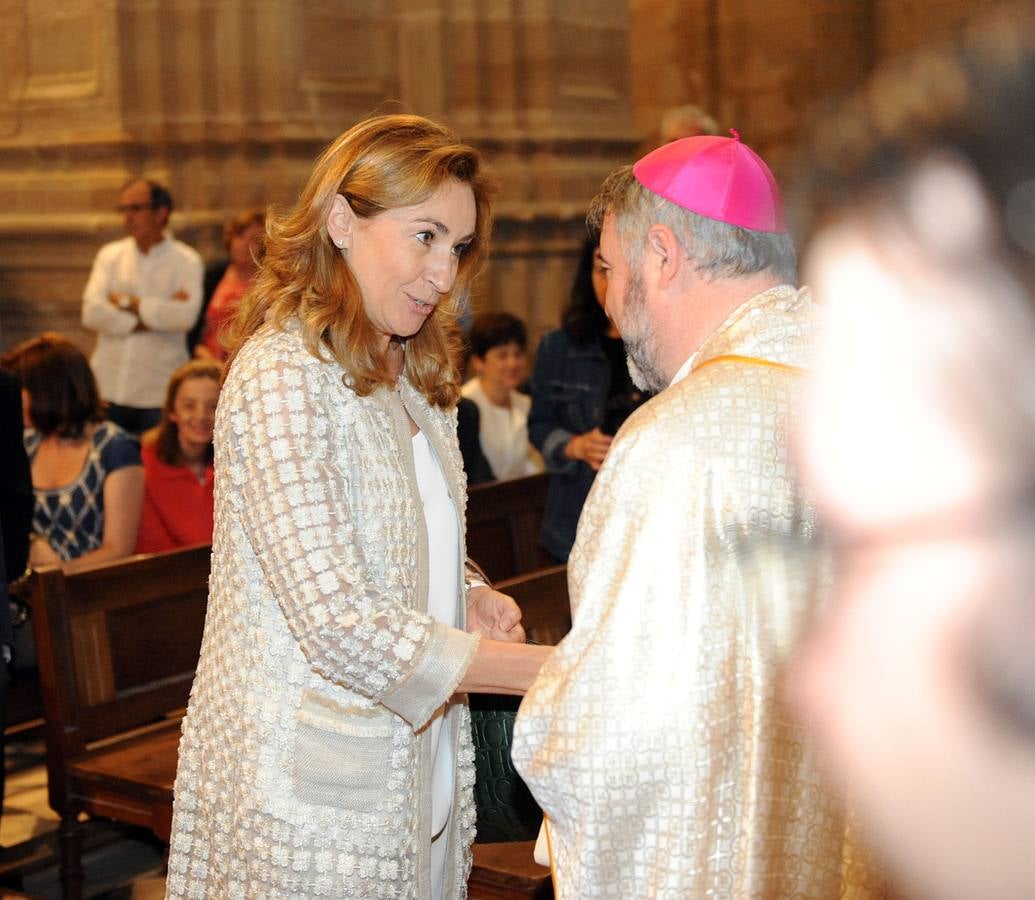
143 296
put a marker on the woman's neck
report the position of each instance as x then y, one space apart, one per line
57 440
395 355
498 394
59 460
243 272
195 458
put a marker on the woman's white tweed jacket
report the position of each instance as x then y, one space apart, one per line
305 766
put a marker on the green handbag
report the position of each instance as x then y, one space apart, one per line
506 809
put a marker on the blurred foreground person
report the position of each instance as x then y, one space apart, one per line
657 739
920 440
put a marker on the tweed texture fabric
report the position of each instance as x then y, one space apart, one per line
305 761
656 738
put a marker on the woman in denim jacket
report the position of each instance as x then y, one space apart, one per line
581 394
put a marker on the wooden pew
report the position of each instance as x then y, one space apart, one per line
117 647
507 871
503 522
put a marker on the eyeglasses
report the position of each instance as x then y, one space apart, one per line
133 207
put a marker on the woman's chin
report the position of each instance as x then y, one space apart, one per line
191 445
406 328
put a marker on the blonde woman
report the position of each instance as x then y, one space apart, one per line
327 748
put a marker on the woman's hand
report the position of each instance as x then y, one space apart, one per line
494 615
590 447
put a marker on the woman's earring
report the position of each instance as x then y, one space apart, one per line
339 243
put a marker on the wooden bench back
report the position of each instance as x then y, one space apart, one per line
116 645
503 522
543 598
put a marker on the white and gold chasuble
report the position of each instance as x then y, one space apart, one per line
655 738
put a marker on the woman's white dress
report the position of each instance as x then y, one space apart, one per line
440 518
503 433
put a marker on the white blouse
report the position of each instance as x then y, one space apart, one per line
443 585
503 433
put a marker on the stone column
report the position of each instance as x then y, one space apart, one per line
543 86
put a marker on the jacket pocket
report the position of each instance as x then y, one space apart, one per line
342 754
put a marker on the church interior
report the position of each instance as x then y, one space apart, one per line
229 101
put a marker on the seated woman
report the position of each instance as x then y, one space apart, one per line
86 472
177 455
243 235
498 343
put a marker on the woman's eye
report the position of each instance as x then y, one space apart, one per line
425 237
460 249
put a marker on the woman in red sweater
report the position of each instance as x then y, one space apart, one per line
177 456
243 234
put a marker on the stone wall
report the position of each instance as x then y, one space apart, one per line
229 101
762 67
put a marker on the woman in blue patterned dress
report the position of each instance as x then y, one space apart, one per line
86 472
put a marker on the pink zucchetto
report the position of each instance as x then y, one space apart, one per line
716 177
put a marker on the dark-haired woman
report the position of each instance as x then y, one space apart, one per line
177 455
498 342
86 472
581 394
243 234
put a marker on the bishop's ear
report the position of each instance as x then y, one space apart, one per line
340 223
666 255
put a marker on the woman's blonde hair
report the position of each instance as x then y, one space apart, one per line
379 164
